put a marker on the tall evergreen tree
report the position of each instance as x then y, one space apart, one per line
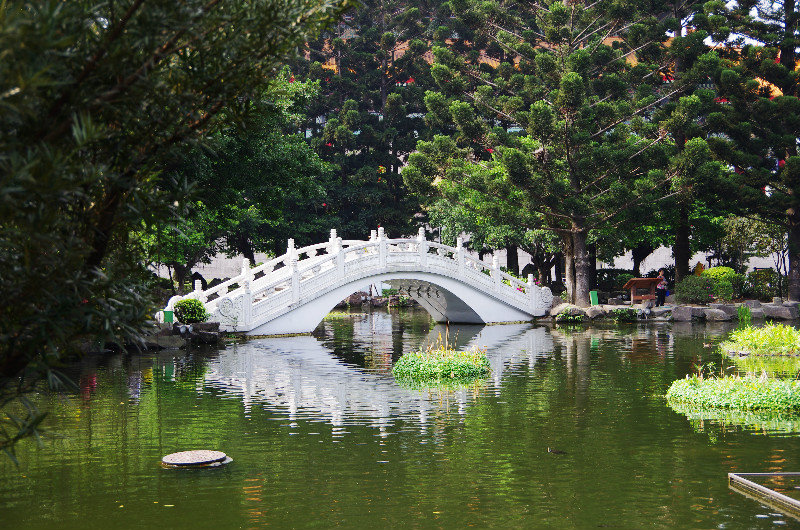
546 109
757 120
373 72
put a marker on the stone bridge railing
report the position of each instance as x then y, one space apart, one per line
259 294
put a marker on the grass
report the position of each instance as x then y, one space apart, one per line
772 339
735 392
441 363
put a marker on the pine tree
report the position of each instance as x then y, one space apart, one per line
757 119
546 107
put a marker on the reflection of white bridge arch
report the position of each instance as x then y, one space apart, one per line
300 376
293 292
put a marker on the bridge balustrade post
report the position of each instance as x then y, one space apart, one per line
246 275
422 246
247 307
198 291
382 251
460 255
290 253
531 290
339 259
332 242
496 271
295 280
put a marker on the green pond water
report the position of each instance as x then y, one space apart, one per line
322 436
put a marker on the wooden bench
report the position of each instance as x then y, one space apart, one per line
635 284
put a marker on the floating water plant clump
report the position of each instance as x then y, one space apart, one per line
772 339
758 420
440 362
734 392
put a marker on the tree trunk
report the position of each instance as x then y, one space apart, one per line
592 265
181 271
794 258
512 259
682 248
582 265
569 267
639 253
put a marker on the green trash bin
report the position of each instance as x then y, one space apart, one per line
593 297
168 317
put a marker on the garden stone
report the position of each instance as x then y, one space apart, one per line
716 315
728 309
777 300
206 337
670 299
594 312
789 303
556 309
780 312
570 309
682 313
206 326
752 303
757 313
661 311
166 341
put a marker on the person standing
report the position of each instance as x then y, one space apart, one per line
661 288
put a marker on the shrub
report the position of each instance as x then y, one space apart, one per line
695 290
772 339
625 315
720 273
763 284
746 393
568 318
440 364
190 311
728 284
722 289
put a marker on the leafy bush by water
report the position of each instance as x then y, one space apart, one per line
441 363
190 311
695 290
625 315
772 339
733 392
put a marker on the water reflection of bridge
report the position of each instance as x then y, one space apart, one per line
298 376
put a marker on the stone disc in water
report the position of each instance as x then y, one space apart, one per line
193 458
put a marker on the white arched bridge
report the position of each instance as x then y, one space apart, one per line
293 292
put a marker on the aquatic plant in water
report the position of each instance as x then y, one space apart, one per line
440 362
735 392
772 339
744 316
757 420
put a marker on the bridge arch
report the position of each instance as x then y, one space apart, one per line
293 292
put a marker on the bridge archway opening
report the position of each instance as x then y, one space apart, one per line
446 299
